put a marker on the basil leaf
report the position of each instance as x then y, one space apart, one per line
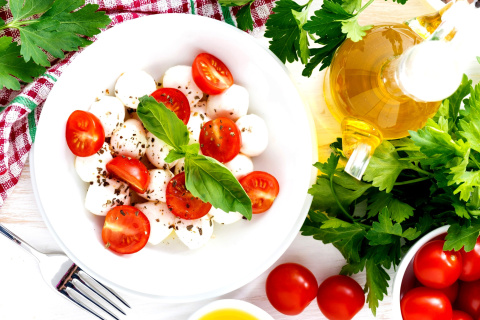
191 148
209 180
174 155
162 122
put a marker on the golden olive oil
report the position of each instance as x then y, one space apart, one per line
228 314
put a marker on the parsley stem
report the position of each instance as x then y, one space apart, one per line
475 161
411 181
17 24
338 201
364 7
416 168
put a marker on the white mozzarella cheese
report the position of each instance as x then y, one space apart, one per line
180 77
180 166
195 124
106 193
194 233
232 103
129 139
156 152
132 85
162 221
240 166
94 167
254 135
110 111
220 216
157 186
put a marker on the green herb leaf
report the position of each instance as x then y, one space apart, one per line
212 182
3 3
174 155
244 18
384 231
460 236
301 18
162 122
25 9
13 65
376 285
191 148
353 30
233 3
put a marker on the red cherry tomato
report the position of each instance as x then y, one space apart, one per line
460 315
126 230
84 133
130 170
210 74
340 298
182 203
436 268
220 139
471 263
290 288
469 298
262 188
425 304
451 292
174 100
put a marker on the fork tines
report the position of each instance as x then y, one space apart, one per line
76 286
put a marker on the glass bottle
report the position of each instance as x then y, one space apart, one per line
392 81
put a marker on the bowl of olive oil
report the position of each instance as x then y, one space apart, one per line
230 309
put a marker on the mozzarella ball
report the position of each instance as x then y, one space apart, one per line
162 221
111 113
156 152
129 139
232 103
254 135
94 167
220 216
106 194
195 124
240 166
157 186
132 85
180 77
179 167
194 233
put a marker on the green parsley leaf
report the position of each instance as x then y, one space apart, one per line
301 18
376 285
233 3
462 236
212 182
3 3
13 65
384 231
353 30
353 267
244 18
25 9
162 122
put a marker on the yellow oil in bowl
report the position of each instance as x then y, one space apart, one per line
228 314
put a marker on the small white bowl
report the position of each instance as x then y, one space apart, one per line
231 304
405 277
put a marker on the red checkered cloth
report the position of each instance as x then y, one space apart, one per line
20 110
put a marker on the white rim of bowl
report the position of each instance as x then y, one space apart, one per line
398 280
233 304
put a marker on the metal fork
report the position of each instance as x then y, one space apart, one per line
69 280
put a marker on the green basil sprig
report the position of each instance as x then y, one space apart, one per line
205 177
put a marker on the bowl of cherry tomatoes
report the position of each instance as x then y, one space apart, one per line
434 284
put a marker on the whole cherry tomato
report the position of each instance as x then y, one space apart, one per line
460 315
210 74
436 268
126 230
84 133
130 170
340 298
290 288
471 263
451 292
174 100
425 304
469 298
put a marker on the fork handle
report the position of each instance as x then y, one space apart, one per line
10 235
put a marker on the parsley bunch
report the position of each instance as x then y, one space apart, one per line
411 186
52 26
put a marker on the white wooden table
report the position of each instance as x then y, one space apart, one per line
24 295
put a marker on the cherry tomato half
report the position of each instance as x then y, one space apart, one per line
460 315
469 298
220 139
262 188
425 304
182 203
290 288
340 298
471 263
130 170
84 133
210 74
126 230
436 268
174 100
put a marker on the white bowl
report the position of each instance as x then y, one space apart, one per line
405 277
231 304
239 252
